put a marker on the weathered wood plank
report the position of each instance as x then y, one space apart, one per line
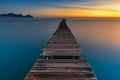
64 74
82 69
61 65
61 54
61 61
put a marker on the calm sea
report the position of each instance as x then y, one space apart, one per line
21 41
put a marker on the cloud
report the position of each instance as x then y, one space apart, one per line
99 9
84 8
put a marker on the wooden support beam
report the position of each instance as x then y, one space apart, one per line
77 57
47 57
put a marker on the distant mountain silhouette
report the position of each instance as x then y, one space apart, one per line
15 15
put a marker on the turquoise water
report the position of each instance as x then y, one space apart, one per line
22 39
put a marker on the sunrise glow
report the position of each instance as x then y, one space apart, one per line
63 8
83 9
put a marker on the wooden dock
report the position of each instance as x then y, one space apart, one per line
61 59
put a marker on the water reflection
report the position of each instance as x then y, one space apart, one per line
101 32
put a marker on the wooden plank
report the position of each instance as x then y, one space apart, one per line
62 50
61 65
37 77
64 74
55 69
61 54
61 61
64 68
61 46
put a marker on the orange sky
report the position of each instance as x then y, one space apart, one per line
82 9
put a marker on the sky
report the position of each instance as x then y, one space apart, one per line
62 8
